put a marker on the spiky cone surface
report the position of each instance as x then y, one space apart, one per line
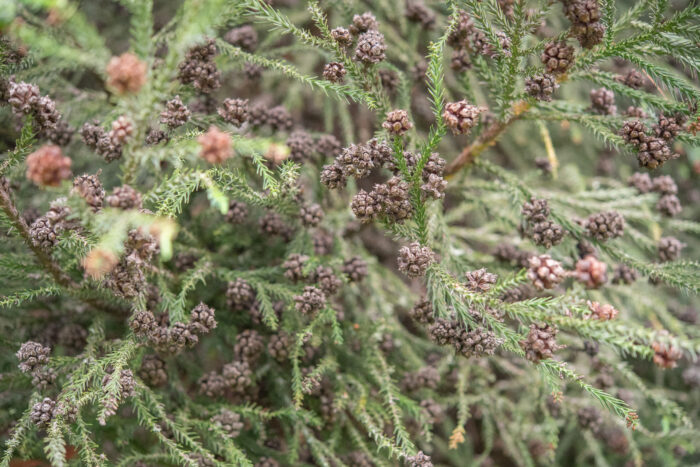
126 73
545 272
420 459
47 166
32 355
591 272
624 275
634 132
152 371
669 248
427 377
540 342
212 384
90 189
547 234
394 198
342 36
557 57
654 152
279 345
43 233
310 301
633 79
667 128
175 114
143 323
669 205
245 37
477 342
603 312
480 280
239 294
355 269
125 197
603 101
301 145
363 23
237 376
605 225
417 12
328 146
234 111
414 259
43 412
541 87
370 48
237 212
326 280
641 181
334 72
333 176
249 346
229 422
535 210
202 319
461 116
216 146
635 112
294 267
121 131
397 122
23 97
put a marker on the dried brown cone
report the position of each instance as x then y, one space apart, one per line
669 248
42 413
279 346
367 206
32 355
249 346
370 48
667 128
126 73
90 189
294 267
244 37
152 371
557 57
414 259
23 97
47 166
541 87
540 343
480 280
202 319
143 323
212 384
624 275
603 312
333 176
273 224
591 271
279 118
363 23
427 377
326 280
394 197
43 378
605 225
310 301
633 79
641 181
547 234
237 212
420 459
423 312
355 269
460 61
603 101
328 146
334 72
417 12
229 422
234 111
635 112
669 205
544 272
654 152
215 146
477 342
397 122
301 146
464 28
237 376
342 36
665 185
175 114
239 294
460 117
535 210
666 355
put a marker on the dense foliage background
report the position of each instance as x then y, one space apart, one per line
351 233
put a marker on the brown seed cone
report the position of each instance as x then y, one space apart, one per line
460 117
370 48
414 259
665 355
334 72
397 122
557 57
234 111
90 188
600 312
540 343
